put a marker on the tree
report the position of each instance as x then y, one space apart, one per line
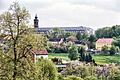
105 49
83 36
88 58
73 52
16 62
91 41
116 42
79 36
112 50
108 32
81 51
46 70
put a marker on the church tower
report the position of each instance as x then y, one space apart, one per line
36 22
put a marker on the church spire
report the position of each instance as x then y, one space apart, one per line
36 22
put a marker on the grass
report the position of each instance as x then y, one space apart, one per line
102 59
63 56
99 59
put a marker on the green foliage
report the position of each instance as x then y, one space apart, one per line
91 41
46 70
116 41
112 50
88 58
73 52
82 71
105 49
73 78
90 78
81 50
16 61
108 32
79 36
60 77
82 37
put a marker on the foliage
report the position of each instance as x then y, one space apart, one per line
73 78
82 71
73 52
90 78
88 72
112 50
91 41
108 32
16 60
88 58
116 41
105 49
60 77
82 53
46 70
82 37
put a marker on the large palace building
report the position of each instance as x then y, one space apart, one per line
46 30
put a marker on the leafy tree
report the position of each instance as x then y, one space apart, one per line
82 71
82 53
46 70
108 32
105 49
88 58
112 50
16 62
79 36
91 41
116 41
73 52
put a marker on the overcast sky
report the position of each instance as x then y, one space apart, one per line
55 13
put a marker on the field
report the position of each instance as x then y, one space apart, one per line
63 56
100 59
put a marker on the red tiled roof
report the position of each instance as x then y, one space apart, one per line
41 52
105 40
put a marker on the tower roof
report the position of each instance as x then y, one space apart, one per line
36 16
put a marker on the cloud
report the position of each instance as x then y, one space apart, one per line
91 13
104 4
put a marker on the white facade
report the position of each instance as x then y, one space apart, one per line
36 57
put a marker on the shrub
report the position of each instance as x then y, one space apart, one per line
90 78
73 78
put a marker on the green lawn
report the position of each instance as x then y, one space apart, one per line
100 59
63 56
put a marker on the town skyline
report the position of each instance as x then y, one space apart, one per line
59 13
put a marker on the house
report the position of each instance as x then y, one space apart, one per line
39 54
103 42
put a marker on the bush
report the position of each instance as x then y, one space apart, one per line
90 78
46 70
112 50
73 78
73 52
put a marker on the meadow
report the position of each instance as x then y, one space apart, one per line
100 59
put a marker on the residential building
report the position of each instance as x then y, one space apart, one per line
37 54
103 42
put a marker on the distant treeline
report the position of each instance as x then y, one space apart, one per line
108 32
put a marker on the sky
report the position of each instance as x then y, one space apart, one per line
70 13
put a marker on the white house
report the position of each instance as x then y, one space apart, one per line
39 54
